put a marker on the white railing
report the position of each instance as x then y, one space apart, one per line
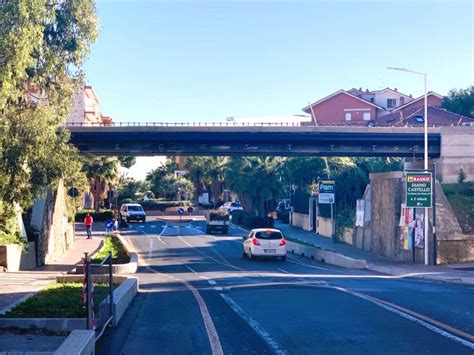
183 124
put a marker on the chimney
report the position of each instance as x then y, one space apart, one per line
366 90
411 96
395 89
360 89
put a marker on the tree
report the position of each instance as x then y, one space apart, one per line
460 101
302 171
43 45
130 188
207 173
255 180
101 173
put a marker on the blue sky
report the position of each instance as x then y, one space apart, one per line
207 60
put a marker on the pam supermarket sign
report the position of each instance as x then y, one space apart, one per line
419 189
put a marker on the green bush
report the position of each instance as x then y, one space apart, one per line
126 200
284 216
115 246
9 228
161 205
250 221
300 201
101 216
237 216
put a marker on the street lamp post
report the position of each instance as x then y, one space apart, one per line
425 121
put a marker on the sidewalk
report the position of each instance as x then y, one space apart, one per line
444 273
17 286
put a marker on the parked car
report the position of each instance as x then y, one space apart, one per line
264 242
217 220
231 207
132 211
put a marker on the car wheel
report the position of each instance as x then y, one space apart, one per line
226 231
244 254
283 258
208 230
144 220
128 220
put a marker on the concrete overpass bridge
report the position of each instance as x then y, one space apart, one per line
258 139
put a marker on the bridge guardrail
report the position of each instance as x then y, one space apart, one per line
183 124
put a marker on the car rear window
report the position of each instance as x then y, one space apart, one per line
268 235
135 208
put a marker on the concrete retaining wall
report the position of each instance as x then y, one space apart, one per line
52 324
324 227
326 256
13 258
300 220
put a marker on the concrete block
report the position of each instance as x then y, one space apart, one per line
79 342
52 324
123 296
326 256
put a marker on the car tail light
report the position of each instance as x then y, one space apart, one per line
255 241
282 242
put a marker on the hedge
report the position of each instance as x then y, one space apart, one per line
250 221
161 205
101 216
300 201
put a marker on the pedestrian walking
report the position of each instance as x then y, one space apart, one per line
88 222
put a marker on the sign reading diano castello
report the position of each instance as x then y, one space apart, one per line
419 189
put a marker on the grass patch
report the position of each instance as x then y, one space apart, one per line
114 245
61 300
461 198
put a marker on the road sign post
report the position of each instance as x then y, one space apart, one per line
327 195
419 194
180 212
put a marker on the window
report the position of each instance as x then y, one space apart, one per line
348 116
366 116
402 100
419 119
372 100
391 103
269 235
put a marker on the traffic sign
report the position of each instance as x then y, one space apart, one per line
180 211
326 189
73 192
419 189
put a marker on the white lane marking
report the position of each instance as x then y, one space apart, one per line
164 229
152 226
212 282
210 257
296 261
141 226
407 316
212 335
150 248
190 269
204 277
218 288
254 325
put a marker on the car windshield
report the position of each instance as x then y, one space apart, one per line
268 235
135 208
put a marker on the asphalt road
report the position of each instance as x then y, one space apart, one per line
198 295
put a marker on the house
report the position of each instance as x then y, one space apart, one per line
413 116
85 108
357 107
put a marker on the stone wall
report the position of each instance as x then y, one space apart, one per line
49 219
387 195
453 245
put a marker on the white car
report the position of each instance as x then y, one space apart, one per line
231 207
132 211
265 242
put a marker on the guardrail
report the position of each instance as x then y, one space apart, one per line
184 124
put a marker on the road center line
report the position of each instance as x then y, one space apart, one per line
261 332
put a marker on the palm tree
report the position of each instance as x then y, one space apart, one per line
101 172
255 180
207 173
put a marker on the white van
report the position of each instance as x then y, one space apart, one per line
132 211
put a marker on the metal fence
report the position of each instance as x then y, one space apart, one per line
99 317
